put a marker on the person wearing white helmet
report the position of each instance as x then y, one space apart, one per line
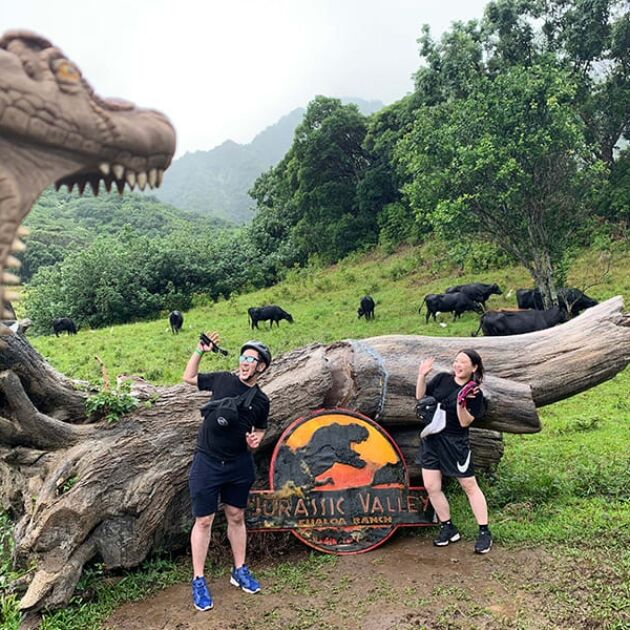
223 466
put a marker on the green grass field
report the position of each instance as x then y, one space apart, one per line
567 487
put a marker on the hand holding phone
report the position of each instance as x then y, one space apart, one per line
206 341
467 391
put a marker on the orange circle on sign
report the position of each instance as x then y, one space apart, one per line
344 475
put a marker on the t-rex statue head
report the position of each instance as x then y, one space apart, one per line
54 128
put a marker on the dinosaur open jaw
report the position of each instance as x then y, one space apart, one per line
109 174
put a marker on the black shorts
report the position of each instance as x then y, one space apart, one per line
448 453
211 480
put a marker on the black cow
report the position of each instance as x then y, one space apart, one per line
502 323
573 301
366 307
176 321
64 324
455 303
263 313
529 298
477 291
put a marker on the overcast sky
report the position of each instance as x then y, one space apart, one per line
226 70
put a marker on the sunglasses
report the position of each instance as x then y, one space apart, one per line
247 359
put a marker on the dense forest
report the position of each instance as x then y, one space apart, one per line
512 146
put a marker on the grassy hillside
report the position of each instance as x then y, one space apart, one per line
323 303
565 490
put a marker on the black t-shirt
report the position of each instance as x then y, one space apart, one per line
228 441
444 389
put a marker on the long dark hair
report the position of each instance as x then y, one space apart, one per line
475 358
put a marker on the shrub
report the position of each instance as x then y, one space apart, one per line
113 404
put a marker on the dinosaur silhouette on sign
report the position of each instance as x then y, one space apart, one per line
329 445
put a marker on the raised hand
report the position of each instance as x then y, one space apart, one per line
426 366
469 390
207 340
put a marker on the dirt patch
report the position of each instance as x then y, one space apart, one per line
405 584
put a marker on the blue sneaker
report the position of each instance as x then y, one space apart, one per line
244 580
202 599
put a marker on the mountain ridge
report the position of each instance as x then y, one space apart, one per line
216 182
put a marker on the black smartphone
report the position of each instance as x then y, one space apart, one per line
206 341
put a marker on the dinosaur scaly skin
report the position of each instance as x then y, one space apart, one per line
54 128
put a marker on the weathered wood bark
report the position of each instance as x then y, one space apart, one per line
80 489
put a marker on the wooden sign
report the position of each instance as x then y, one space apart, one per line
339 483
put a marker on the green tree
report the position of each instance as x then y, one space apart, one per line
590 38
613 203
331 162
271 230
309 203
379 191
509 163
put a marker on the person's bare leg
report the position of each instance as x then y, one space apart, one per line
476 498
199 542
237 533
433 483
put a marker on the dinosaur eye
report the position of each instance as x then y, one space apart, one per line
66 71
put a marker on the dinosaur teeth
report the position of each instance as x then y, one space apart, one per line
23 231
58 185
17 246
108 184
13 262
153 176
131 180
119 171
120 185
11 296
95 181
10 278
160 177
82 184
142 180
104 168
70 186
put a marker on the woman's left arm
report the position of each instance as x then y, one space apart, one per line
464 417
473 398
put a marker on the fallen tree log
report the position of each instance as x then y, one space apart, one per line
80 488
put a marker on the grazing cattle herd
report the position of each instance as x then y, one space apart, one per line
530 316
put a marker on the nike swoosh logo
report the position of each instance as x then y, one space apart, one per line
464 467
